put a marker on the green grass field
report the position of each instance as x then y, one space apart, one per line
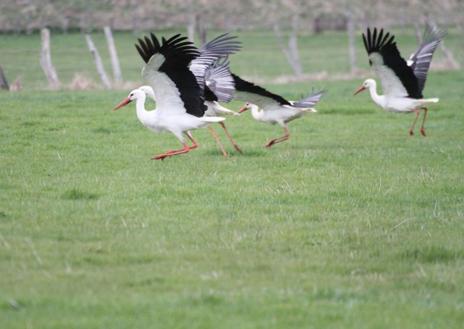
349 224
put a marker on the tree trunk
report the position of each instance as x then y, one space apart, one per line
418 32
191 26
113 54
3 81
293 44
201 29
46 61
98 62
350 28
290 51
451 60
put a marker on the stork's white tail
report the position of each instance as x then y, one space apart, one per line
219 108
212 119
431 100
309 109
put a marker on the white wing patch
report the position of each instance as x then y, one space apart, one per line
167 96
391 84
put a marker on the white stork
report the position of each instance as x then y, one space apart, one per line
178 95
272 108
214 78
402 82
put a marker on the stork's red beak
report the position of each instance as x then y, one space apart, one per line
362 88
123 103
243 109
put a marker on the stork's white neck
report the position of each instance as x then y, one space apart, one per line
140 108
378 99
256 112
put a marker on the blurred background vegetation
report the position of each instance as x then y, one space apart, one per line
20 16
284 40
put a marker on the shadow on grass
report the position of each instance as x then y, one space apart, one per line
433 254
346 111
76 194
233 154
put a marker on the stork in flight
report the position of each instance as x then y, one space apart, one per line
177 92
402 82
271 108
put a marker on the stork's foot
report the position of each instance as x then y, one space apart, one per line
171 153
422 131
270 143
411 133
161 156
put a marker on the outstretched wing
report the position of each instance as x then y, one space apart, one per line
249 92
220 84
167 72
311 100
219 47
420 60
396 76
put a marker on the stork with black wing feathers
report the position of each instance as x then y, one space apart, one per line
177 92
271 108
402 82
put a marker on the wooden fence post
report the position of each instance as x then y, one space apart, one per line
117 75
3 80
98 62
46 60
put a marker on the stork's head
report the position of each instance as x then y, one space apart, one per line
148 91
367 84
133 95
247 106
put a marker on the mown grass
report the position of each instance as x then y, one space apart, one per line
349 224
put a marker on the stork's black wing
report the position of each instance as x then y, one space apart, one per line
397 77
253 93
172 57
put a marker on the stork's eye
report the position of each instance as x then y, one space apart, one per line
131 95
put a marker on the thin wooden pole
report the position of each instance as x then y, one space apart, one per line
46 60
98 62
117 75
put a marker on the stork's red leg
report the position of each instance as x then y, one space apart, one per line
411 130
422 129
218 142
230 137
194 143
162 156
280 139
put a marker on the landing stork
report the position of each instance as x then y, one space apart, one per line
402 82
179 98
